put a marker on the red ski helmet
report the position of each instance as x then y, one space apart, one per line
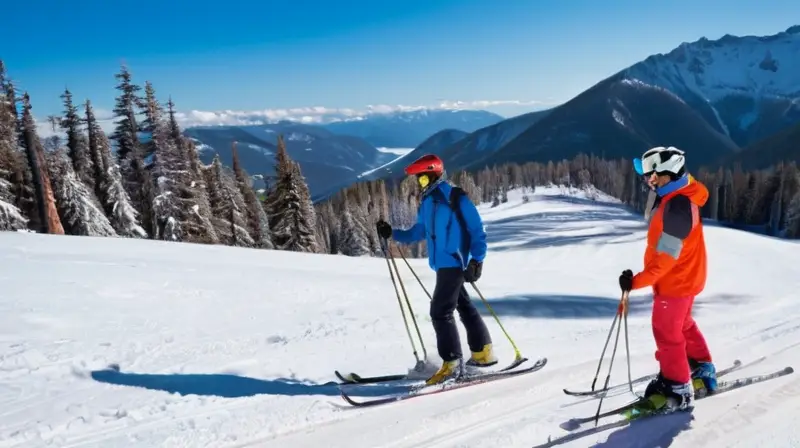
427 164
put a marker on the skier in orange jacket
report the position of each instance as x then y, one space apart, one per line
675 267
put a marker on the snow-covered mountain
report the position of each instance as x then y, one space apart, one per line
408 129
746 87
617 117
710 97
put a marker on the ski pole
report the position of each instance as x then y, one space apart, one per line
603 353
408 304
627 345
517 354
415 275
400 303
613 354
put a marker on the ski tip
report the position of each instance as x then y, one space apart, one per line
541 361
788 369
345 379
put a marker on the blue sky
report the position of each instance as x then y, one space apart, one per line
275 54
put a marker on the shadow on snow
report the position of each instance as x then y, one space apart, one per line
229 385
563 306
568 306
657 432
561 228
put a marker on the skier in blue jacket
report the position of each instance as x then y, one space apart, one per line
456 254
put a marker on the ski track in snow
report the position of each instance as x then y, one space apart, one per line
228 347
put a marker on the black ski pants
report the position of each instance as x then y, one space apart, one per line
450 295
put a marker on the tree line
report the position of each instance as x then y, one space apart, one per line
764 201
154 185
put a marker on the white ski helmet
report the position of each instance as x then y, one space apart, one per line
661 160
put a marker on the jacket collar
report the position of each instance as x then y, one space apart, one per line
673 186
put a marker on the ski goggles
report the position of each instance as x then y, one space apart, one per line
638 166
424 180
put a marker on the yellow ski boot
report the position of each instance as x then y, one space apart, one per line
449 370
483 358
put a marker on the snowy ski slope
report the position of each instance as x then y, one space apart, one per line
228 347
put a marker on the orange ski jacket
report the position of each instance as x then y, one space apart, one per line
675 258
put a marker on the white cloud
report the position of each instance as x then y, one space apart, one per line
308 115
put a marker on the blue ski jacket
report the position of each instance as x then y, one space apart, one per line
439 225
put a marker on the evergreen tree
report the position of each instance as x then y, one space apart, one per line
23 184
168 165
78 147
352 239
78 209
108 182
129 151
290 222
11 217
226 206
189 185
257 221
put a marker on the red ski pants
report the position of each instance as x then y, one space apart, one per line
677 337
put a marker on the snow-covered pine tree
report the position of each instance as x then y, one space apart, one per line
30 143
25 191
108 181
257 221
136 178
186 180
77 144
226 206
289 222
11 217
352 239
79 210
168 166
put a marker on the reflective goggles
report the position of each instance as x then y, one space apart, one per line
423 180
638 166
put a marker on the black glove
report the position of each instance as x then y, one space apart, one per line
384 229
626 280
473 271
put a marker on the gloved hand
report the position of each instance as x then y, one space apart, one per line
384 229
473 271
626 280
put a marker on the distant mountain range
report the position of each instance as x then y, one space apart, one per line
410 129
328 156
735 99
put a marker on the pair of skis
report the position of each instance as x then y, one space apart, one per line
421 390
639 409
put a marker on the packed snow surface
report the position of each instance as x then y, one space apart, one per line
228 347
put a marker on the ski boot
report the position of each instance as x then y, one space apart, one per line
704 378
450 370
483 358
665 394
